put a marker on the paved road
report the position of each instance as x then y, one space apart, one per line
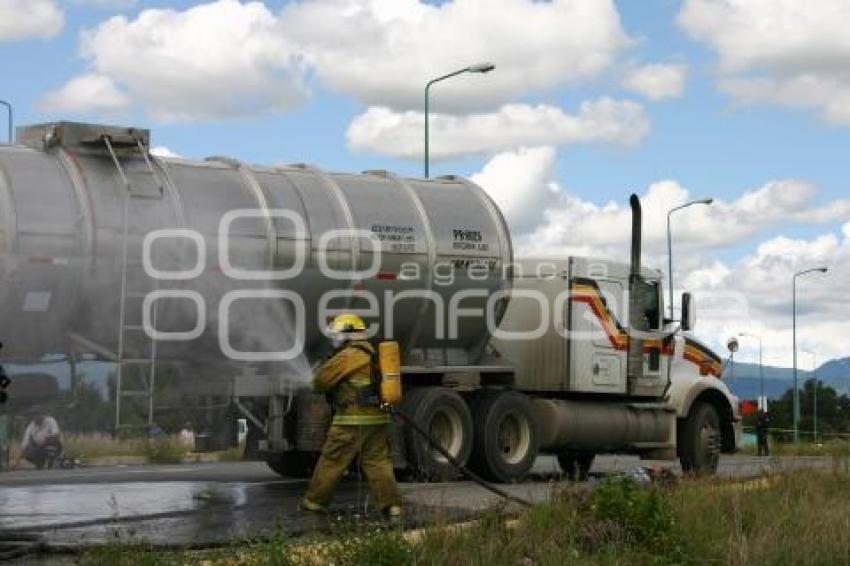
207 503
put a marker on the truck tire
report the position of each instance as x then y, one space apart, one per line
700 440
445 416
506 436
293 464
576 465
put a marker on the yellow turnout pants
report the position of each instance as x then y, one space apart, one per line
342 445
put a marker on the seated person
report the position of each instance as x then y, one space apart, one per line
40 444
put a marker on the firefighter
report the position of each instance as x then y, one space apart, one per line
359 426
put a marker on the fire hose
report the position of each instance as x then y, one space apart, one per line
454 462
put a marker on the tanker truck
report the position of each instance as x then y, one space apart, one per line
234 270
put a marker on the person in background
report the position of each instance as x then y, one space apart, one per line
187 436
155 432
41 444
762 424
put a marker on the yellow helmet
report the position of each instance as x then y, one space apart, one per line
347 322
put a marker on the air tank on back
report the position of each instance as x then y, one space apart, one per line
82 206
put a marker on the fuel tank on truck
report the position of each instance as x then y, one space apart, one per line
95 231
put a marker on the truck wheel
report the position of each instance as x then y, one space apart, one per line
576 465
445 416
506 438
699 444
293 464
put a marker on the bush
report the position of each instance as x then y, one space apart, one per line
165 450
624 510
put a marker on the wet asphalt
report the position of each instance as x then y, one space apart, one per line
217 503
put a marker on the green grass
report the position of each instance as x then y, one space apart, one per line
159 451
99 445
89 446
834 447
165 450
232 454
800 518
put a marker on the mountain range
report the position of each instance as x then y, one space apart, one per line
743 378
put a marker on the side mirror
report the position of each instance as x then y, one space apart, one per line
688 312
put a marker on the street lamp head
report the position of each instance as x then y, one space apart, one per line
812 270
481 67
706 201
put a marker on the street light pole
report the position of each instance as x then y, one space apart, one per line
761 365
10 118
670 245
815 400
815 408
478 68
796 409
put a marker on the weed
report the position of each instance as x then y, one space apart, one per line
132 554
98 445
165 450
377 547
639 515
275 551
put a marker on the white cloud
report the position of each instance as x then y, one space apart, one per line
162 151
86 93
752 294
762 281
218 60
383 52
778 51
657 81
829 94
230 58
381 130
521 184
576 224
30 19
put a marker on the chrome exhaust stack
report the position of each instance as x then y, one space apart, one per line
637 289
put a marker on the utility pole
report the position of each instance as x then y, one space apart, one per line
794 338
815 400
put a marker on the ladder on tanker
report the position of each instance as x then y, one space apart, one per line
136 361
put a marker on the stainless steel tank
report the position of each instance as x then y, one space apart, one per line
72 196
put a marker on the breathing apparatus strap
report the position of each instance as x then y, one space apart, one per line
369 397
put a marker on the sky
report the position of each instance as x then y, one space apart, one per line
743 101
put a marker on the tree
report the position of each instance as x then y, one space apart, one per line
833 410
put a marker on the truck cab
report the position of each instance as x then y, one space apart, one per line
586 399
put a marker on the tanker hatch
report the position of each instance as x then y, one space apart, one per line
83 138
